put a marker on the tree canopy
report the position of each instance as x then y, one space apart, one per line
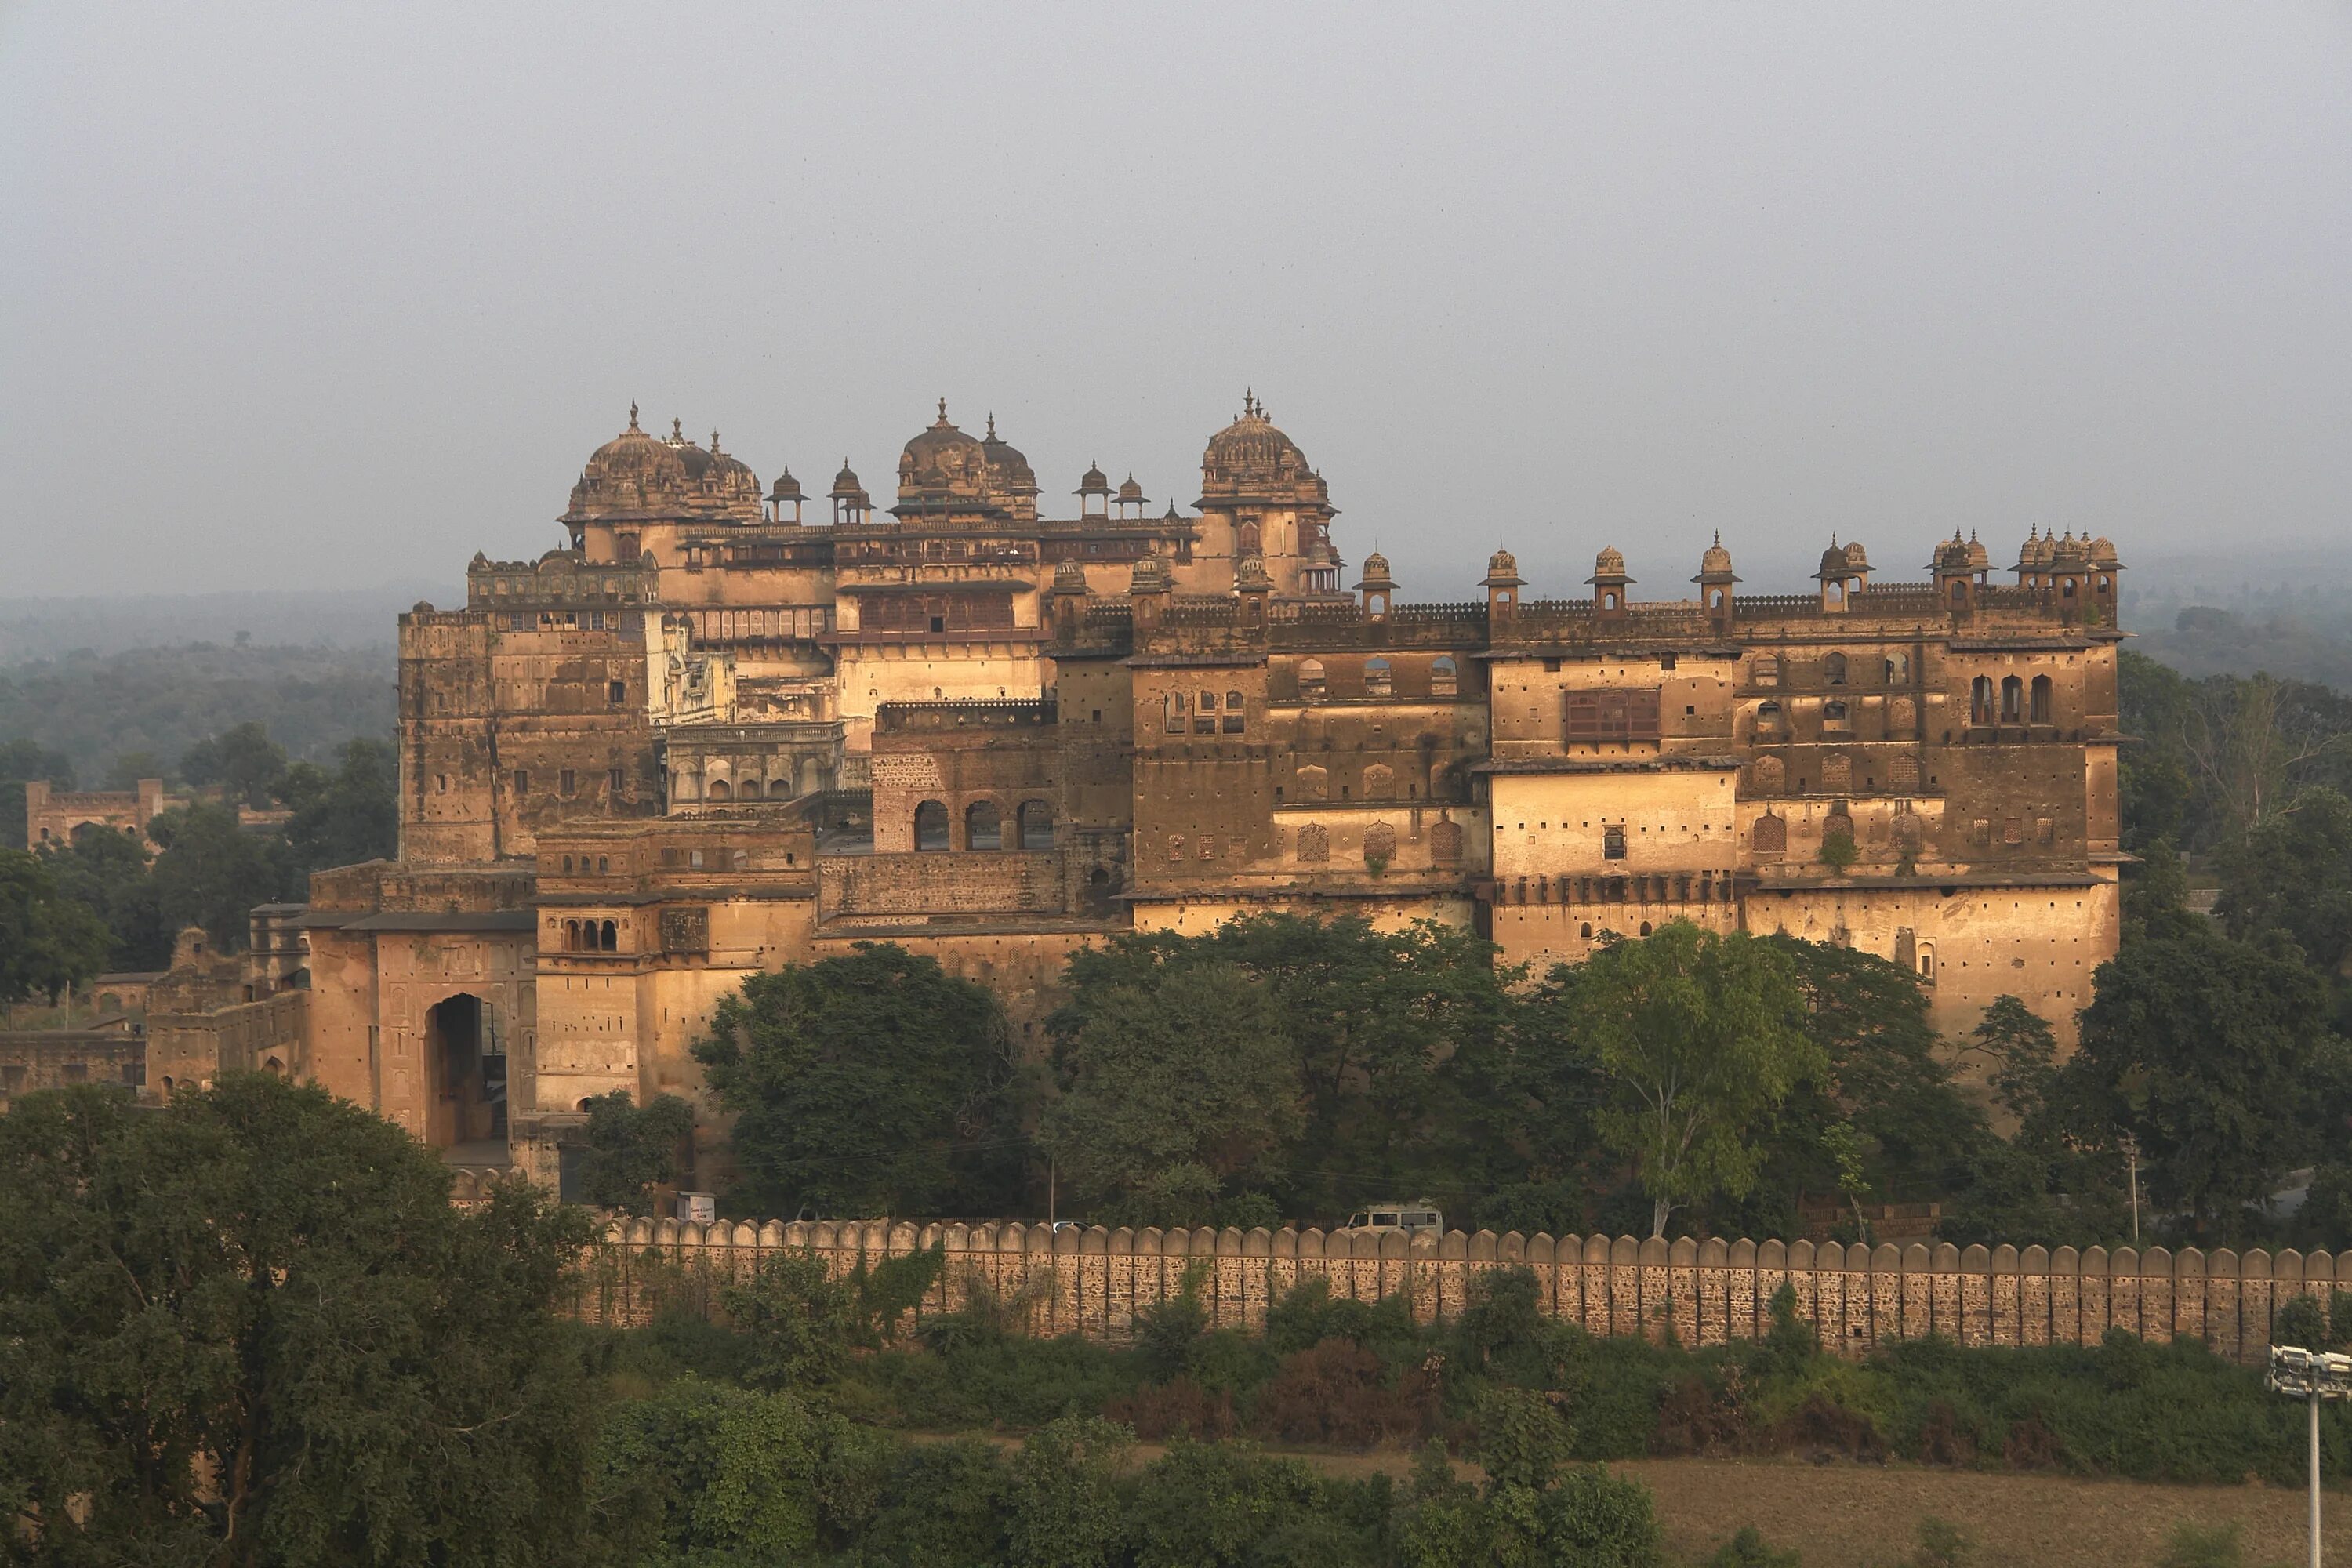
871 1083
49 940
250 1328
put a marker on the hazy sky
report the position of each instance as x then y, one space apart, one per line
338 294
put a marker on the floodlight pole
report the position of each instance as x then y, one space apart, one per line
2315 1476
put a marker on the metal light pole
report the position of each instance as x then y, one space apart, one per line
2311 1376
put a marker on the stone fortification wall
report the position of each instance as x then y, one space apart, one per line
1092 1282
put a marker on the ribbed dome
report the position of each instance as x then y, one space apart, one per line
1128 490
1856 558
1376 572
1069 577
1978 559
1151 576
2103 552
1011 465
634 474
1250 453
1502 566
786 487
942 455
1252 577
1093 482
1716 559
2071 552
1609 566
844 483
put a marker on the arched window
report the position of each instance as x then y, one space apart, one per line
1443 678
2040 708
2066 589
1036 825
1310 678
931 825
1379 781
984 825
1314 783
720 790
1772 835
1715 598
1898 669
1766 670
1234 704
1377 683
1833 670
1834 716
1981 699
1253 539
2012 701
1768 718
1768 775
779 789
274 1068
1612 843
1960 593
608 937
1927 961
571 936
1646 928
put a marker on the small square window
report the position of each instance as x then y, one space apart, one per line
565 783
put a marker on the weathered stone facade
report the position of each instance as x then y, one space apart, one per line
711 737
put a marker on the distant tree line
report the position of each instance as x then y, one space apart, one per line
114 901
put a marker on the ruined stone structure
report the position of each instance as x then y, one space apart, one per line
713 734
1092 1282
52 815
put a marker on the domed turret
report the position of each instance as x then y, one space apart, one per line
1376 572
1250 456
945 471
2103 553
1978 559
1150 576
632 475
2070 553
1093 482
1502 567
1609 581
1833 567
850 502
1252 577
1856 558
1010 467
1069 577
784 499
1714 565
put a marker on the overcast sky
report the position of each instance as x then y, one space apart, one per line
337 294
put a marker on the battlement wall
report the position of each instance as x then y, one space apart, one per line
1092 1282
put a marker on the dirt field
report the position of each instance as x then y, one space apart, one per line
1867 1516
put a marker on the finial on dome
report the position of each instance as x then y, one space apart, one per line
943 410
633 414
714 443
992 424
676 429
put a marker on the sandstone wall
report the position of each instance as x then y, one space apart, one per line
1092 1282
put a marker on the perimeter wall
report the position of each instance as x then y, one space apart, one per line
1092 1282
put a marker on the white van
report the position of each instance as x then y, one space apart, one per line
1410 1218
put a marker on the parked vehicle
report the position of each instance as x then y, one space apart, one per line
1410 1218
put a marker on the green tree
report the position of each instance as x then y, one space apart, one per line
1065 1507
2293 873
861 1084
1173 1092
211 872
1399 1036
129 767
345 816
706 1473
2207 1051
49 942
1701 1038
2022 1052
108 870
627 1148
250 1328
243 760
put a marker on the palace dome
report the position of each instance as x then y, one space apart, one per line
632 473
1715 562
1250 453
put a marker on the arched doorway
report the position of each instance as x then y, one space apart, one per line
465 1081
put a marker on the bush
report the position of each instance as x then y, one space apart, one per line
2191 1547
1064 1500
1748 1550
2299 1321
1338 1392
1179 1408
